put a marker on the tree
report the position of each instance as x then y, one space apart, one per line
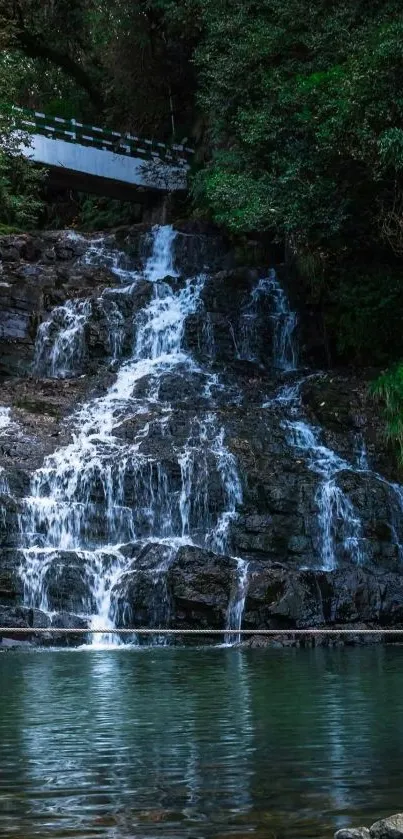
54 31
20 183
126 62
305 112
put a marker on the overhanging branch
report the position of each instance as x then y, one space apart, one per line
35 48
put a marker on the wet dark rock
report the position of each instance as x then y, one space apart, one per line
120 309
40 410
65 620
11 585
201 584
180 588
38 274
23 617
9 526
343 635
280 597
67 583
199 247
227 329
341 403
192 588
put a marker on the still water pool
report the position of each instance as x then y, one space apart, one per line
199 743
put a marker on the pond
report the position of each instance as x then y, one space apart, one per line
195 743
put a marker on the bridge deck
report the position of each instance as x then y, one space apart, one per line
94 159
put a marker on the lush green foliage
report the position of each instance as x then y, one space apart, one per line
20 184
305 109
389 388
20 193
306 115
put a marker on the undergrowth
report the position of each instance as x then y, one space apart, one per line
388 388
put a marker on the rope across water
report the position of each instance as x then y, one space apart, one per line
6 630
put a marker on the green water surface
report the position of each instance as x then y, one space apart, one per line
187 744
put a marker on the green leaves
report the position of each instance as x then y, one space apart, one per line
388 388
20 192
390 147
305 93
305 119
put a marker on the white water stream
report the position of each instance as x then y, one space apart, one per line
79 498
337 517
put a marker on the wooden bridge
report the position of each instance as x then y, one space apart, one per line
100 161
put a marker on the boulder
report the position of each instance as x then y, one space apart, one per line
201 583
68 583
352 833
24 617
390 828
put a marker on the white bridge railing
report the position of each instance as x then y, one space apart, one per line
73 131
96 156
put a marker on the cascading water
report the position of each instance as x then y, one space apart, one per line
337 518
361 453
336 513
60 345
140 479
285 353
100 492
269 292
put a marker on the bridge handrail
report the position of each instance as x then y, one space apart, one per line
73 131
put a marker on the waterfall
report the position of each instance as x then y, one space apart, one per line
161 262
148 471
5 418
336 515
100 492
237 602
269 293
285 353
60 344
361 453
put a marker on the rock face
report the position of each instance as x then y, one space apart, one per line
167 461
183 589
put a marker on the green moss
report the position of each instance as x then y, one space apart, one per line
38 406
7 229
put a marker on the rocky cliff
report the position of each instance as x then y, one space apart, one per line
166 457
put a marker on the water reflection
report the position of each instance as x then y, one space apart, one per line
201 743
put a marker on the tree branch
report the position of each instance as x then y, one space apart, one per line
33 47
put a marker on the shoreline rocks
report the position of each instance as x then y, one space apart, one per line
389 828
